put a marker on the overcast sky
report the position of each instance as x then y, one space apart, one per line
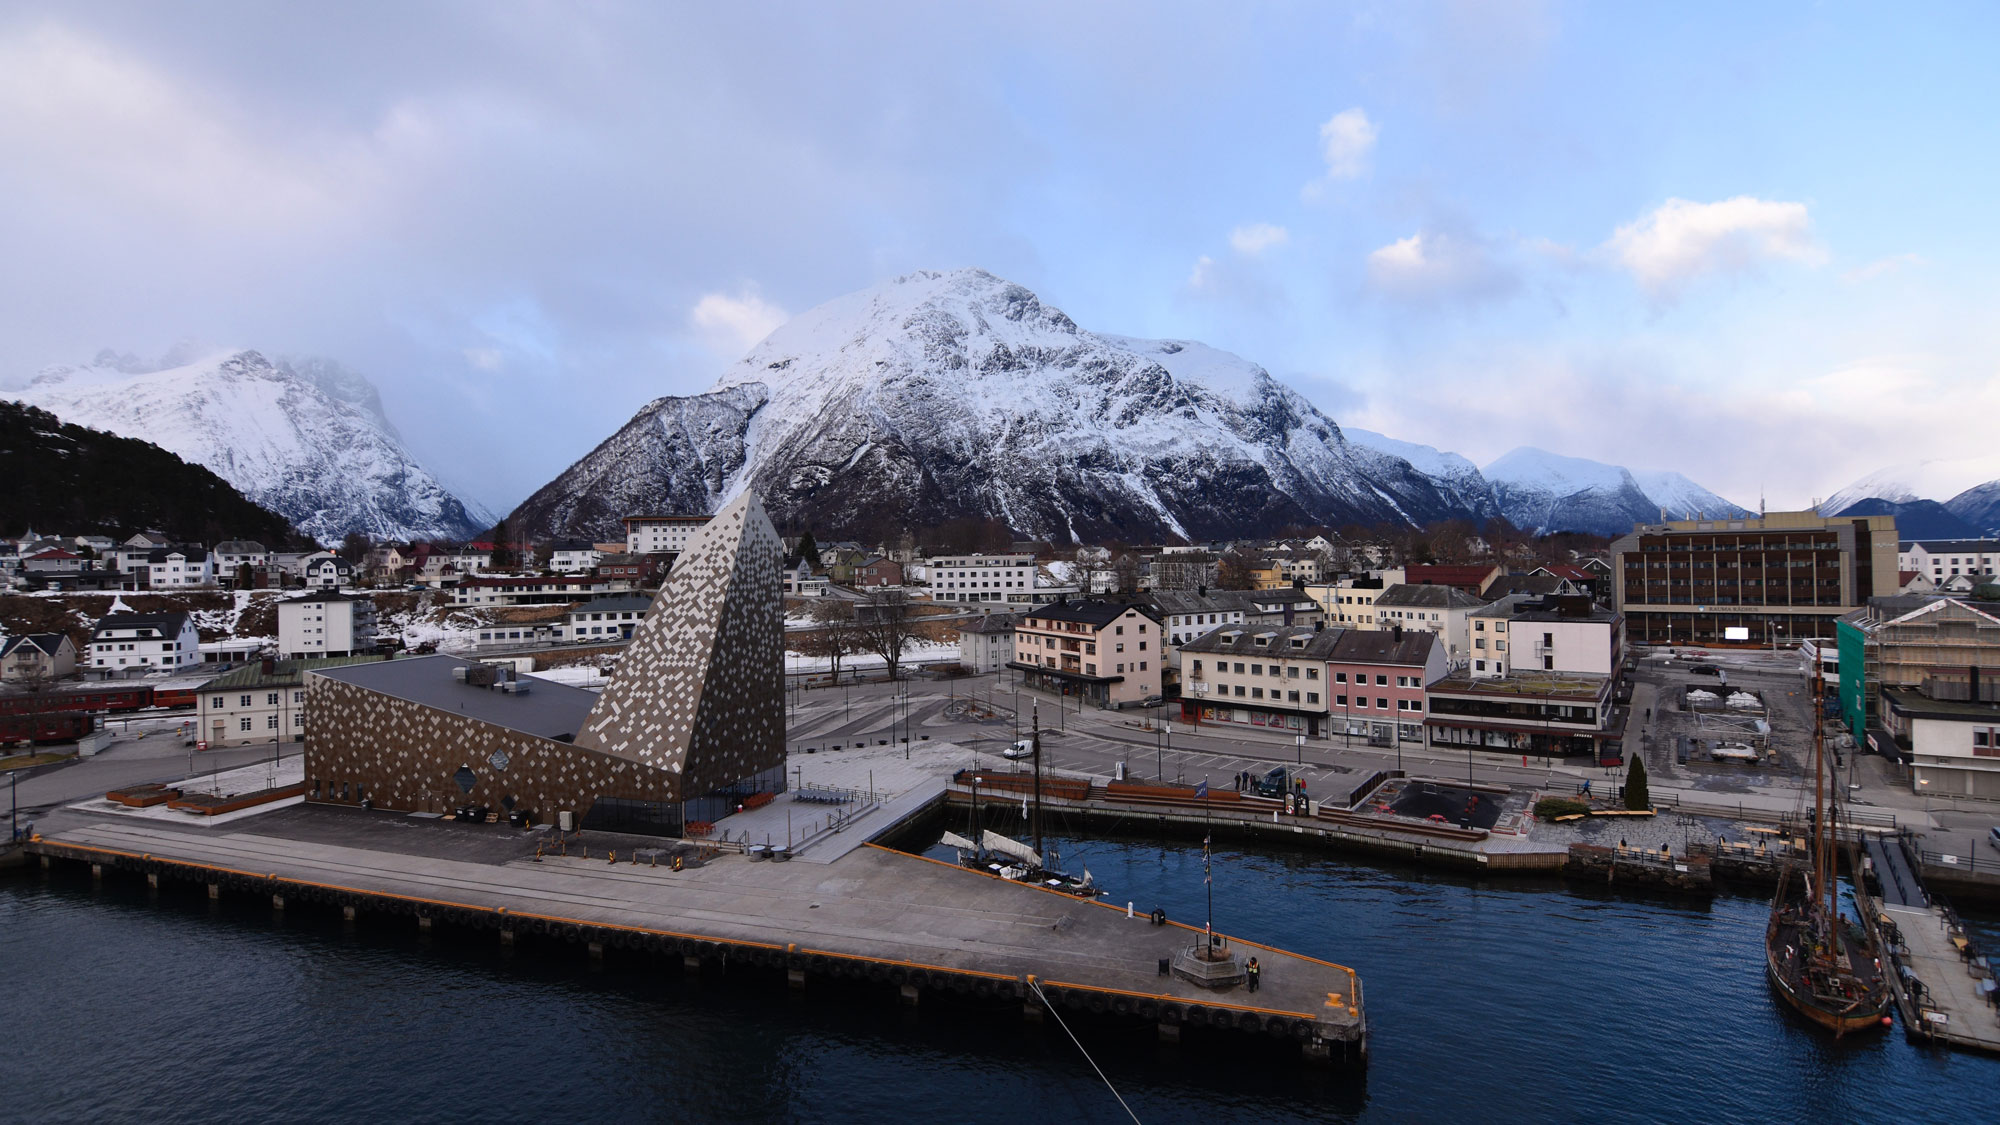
1753 242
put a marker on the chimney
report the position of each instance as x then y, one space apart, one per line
1201 591
1396 632
1288 613
270 665
1319 626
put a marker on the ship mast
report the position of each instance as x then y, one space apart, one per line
1823 861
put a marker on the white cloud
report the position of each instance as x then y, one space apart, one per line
485 359
1881 267
1431 267
1257 238
1203 274
1682 240
1345 141
733 324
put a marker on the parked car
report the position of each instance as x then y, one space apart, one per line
1152 701
1993 837
1705 670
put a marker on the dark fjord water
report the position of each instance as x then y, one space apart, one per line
1511 1000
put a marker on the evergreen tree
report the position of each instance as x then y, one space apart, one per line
503 551
809 551
1636 797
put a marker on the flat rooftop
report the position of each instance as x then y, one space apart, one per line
1528 683
546 709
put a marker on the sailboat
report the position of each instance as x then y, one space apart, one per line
1011 859
1826 967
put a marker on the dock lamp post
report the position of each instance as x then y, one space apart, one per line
1299 740
1926 783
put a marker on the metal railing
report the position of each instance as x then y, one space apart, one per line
1969 864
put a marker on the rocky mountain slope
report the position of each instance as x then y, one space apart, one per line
941 396
307 440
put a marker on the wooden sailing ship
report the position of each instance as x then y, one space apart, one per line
1824 967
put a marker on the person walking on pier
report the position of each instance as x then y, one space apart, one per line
1252 972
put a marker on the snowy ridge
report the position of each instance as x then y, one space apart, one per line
308 440
940 396
1546 491
1940 480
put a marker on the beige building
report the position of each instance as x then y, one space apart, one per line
1443 611
260 704
1108 652
37 657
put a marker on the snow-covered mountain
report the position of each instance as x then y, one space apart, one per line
1457 477
1939 480
1544 491
306 439
942 396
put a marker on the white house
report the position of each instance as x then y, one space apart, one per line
133 554
609 619
1443 611
124 642
233 554
1545 634
986 645
325 623
171 568
326 571
573 556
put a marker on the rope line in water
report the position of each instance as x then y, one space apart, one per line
1036 985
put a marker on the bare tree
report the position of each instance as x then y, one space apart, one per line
886 627
834 632
1126 566
1234 570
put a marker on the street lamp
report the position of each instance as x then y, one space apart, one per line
1926 783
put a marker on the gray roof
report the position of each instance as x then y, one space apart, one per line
169 624
49 643
1523 584
1091 611
1184 601
1427 597
1241 640
993 623
191 554
546 709
1947 546
239 547
617 603
1384 646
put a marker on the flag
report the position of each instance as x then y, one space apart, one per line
1201 791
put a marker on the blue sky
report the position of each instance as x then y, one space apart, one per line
1750 242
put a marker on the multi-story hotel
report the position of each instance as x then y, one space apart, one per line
661 535
983 578
1777 578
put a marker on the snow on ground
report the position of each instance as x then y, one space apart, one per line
580 675
921 652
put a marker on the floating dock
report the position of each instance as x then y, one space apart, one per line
872 913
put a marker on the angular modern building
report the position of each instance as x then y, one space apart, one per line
692 722
1780 578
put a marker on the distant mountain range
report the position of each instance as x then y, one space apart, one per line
944 396
306 439
1943 499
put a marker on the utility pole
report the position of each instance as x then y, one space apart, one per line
1038 781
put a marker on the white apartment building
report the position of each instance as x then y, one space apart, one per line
1940 560
661 535
573 556
132 555
172 568
1443 611
986 645
1546 634
983 578
325 623
125 642
263 703
232 554
326 571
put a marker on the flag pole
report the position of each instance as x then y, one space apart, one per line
1207 873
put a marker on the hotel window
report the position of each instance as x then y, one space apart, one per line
1239 690
1312 697
243 723
1381 703
1256 693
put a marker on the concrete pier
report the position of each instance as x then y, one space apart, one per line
872 913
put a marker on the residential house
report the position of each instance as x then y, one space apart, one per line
98 546
325 623
1471 579
987 645
878 571
573 556
52 560
800 581
1284 606
326 571
624 571
170 568
1106 652
1553 633
37 657
1537 584
1350 601
123 643
133 554
262 703
232 555
1441 610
